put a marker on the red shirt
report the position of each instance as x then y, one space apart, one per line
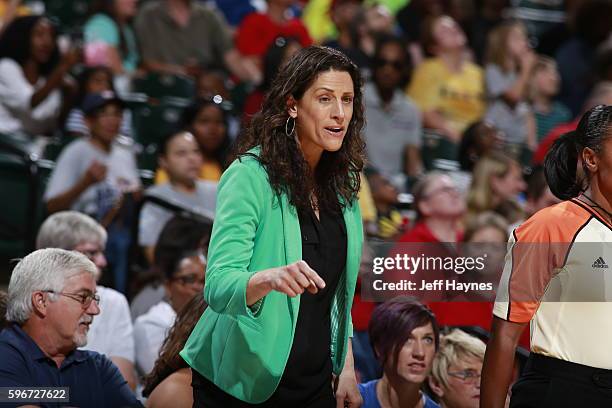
257 32
547 142
457 313
421 233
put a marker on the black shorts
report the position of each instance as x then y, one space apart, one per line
552 383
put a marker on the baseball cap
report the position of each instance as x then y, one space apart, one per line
93 102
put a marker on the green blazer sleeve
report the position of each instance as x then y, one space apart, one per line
238 214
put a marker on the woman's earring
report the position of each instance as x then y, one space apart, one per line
287 131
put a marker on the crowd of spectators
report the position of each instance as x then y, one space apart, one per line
462 101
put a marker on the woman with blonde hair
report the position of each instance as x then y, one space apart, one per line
497 181
457 366
509 64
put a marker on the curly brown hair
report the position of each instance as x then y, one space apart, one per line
337 174
169 360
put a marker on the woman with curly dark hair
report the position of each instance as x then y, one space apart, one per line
169 384
285 248
32 76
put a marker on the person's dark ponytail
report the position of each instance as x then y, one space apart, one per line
560 167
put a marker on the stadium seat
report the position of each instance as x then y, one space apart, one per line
23 179
156 85
70 14
151 122
438 152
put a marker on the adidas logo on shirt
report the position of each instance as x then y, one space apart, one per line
600 263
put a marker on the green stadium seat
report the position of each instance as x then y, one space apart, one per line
151 123
22 182
157 85
439 153
70 14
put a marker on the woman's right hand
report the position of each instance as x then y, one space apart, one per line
290 279
294 278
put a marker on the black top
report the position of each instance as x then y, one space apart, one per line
306 381
308 373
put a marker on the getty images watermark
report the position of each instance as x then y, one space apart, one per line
520 272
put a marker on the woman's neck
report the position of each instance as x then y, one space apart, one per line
453 60
106 147
398 393
185 187
31 71
598 198
444 229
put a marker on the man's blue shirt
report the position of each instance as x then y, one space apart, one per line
93 380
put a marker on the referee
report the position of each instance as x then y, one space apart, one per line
555 279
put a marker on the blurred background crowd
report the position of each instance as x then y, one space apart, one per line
127 111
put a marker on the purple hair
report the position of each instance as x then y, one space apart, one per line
392 324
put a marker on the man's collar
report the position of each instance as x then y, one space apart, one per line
24 342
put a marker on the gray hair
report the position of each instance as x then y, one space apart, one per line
44 269
67 229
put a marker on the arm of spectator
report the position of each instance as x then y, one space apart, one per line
114 60
499 362
532 141
517 91
148 342
244 68
434 120
121 350
56 79
63 201
126 367
117 393
150 224
413 165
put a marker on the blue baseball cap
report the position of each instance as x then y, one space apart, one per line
93 102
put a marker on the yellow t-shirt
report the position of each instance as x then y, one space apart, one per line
208 171
458 96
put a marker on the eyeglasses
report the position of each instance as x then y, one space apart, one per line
467 376
188 280
84 299
397 64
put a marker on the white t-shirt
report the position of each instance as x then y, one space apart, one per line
150 331
111 332
153 218
16 113
73 162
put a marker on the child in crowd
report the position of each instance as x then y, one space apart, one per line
94 80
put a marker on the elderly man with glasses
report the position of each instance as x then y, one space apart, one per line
111 333
52 301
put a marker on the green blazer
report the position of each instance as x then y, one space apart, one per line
241 349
